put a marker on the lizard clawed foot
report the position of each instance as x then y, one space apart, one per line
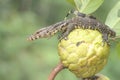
63 36
105 39
91 78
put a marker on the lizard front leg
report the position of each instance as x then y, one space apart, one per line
105 38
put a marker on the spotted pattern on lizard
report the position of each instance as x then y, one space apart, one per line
66 26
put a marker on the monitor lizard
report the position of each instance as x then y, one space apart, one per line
81 20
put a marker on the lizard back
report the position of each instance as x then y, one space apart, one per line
84 22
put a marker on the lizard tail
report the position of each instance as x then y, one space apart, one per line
42 33
47 31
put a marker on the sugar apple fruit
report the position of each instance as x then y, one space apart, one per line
84 53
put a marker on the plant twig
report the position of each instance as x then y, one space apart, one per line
55 71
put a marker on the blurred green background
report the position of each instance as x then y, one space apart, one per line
24 60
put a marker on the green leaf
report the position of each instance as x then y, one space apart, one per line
71 2
118 48
88 6
113 18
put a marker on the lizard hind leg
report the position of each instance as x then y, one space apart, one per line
64 35
75 12
70 12
79 14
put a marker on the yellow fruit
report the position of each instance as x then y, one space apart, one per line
84 52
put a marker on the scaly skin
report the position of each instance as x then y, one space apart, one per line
84 55
80 21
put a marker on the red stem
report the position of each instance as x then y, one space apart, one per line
55 71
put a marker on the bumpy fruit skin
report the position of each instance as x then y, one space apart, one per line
84 53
